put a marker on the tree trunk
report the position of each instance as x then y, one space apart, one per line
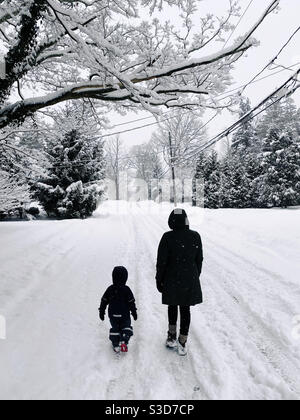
117 189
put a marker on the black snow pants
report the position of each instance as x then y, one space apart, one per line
185 321
121 330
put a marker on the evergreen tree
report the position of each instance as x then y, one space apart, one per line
207 181
74 184
212 182
245 136
198 180
254 171
279 186
235 184
283 117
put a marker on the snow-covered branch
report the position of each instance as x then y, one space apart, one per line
75 49
11 193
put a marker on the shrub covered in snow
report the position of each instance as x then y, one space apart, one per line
33 211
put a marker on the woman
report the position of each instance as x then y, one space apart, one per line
179 265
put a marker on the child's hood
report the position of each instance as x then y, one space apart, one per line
120 276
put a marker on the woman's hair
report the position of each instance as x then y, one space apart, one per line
178 220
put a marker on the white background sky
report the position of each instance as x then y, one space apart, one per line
273 33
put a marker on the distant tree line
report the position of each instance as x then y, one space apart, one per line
260 169
64 166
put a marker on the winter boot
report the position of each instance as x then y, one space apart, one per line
182 348
124 347
171 340
117 349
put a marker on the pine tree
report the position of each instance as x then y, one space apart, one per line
235 184
254 170
198 180
74 184
279 186
245 136
282 117
212 182
207 181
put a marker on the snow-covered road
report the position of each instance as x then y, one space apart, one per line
53 274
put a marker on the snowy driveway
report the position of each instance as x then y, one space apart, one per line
52 276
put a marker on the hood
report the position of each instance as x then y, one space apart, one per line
120 276
178 220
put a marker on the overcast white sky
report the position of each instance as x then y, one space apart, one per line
273 33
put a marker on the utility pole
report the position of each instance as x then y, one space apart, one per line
173 170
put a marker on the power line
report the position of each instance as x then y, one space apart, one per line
217 138
167 119
249 116
207 123
218 96
257 81
243 86
138 120
238 24
275 58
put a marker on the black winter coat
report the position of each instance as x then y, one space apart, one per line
118 297
179 263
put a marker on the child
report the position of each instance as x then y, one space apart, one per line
121 302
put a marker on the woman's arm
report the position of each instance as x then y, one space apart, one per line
162 262
199 257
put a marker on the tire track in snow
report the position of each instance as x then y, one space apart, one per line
208 366
112 374
127 380
143 378
184 370
291 384
261 335
259 272
34 268
172 370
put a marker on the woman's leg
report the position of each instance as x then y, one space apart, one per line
185 312
173 317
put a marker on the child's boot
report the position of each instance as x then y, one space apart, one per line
124 347
117 348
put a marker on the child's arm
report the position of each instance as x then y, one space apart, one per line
132 306
103 305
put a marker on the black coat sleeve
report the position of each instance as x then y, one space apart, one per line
162 262
104 303
199 257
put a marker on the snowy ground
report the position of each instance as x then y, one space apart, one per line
52 276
